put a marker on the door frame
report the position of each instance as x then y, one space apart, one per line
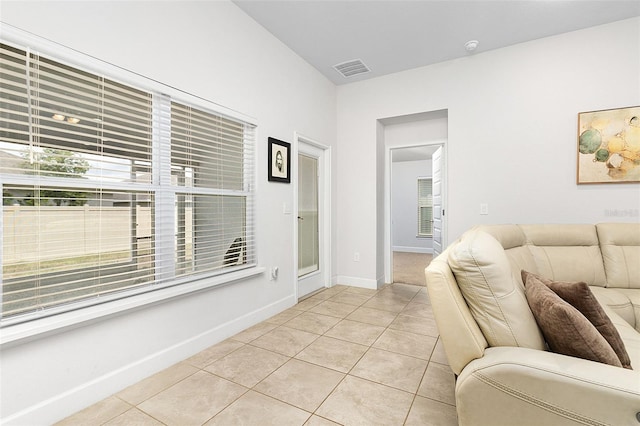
388 228
324 211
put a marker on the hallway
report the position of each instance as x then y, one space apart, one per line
408 268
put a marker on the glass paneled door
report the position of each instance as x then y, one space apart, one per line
311 276
308 244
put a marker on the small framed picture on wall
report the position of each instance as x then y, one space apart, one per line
279 154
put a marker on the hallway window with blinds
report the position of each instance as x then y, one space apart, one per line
425 207
111 190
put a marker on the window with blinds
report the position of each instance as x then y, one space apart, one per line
110 190
425 207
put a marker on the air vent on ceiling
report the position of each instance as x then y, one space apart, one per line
351 68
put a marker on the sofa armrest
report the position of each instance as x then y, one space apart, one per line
511 385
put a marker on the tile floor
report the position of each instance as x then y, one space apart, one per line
346 356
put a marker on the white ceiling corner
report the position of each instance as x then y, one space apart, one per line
396 35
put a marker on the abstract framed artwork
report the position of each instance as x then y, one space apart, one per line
279 154
609 146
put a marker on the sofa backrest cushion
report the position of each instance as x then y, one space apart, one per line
566 252
461 337
620 247
514 243
495 298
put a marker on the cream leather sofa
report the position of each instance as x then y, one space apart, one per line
505 375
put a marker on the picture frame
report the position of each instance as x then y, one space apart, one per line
609 146
279 156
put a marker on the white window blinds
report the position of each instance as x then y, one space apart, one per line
210 163
97 202
425 207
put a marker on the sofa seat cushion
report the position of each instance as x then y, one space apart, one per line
578 295
633 295
565 329
618 302
629 335
494 296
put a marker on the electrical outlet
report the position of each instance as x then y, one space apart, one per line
356 257
274 273
484 208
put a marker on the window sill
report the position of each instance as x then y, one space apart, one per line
39 327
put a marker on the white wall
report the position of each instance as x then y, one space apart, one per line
404 205
214 50
512 120
415 129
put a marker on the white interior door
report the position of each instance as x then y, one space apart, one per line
311 220
438 212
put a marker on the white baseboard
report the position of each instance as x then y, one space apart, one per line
381 281
357 282
413 249
61 406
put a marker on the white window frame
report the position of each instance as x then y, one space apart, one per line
41 323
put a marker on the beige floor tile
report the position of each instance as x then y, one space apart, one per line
213 353
321 296
405 361
421 310
396 294
98 413
309 303
403 342
133 417
284 316
152 385
372 316
252 333
361 290
404 289
247 365
391 369
285 340
422 297
192 401
254 408
301 384
360 402
338 288
439 355
386 303
312 322
320 421
333 353
356 332
426 412
350 298
416 325
333 309
438 383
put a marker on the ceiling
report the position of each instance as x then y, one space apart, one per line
391 36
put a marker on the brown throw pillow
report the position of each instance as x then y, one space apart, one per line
578 295
565 329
